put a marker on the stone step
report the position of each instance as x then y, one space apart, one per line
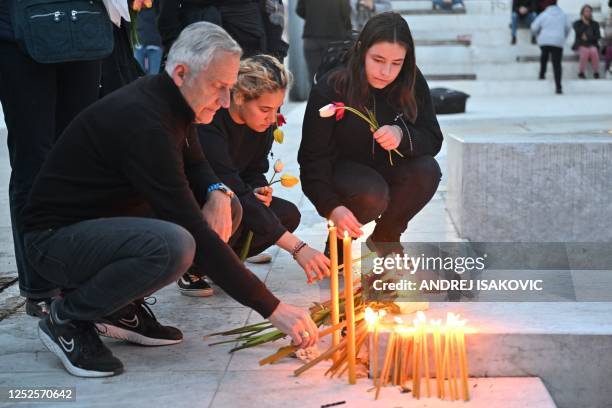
450 77
525 88
464 42
475 7
567 345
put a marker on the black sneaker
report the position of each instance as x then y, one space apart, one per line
513 41
78 347
136 323
194 285
38 307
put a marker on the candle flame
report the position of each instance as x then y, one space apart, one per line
421 316
398 320
346 234
330 223
382 313
371 317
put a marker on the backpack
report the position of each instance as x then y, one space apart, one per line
335 55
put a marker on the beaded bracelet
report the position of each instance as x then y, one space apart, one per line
297 248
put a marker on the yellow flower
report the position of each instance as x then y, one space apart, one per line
287 180
278 166
148 3
279 136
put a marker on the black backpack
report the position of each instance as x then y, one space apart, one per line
335 55
448 100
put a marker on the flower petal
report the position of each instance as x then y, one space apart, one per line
279 136
287 180
339 106
327 111
278 166
280 119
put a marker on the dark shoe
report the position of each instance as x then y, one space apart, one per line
194 285
559 91
78 347
136 323
596 75
581 75
542 76
384 248
533 39
513 42
38 307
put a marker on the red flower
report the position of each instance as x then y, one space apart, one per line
280 119
339 110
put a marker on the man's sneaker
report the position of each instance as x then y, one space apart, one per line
136 323
262 258
194 285
38 307
78 347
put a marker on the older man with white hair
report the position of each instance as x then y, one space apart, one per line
131 153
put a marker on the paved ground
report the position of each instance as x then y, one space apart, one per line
192 374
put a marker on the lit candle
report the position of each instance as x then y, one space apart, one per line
465 393
385 368
349 307
450 327
333 279
423 325
416 358
438 357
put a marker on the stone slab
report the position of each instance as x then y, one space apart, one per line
548 187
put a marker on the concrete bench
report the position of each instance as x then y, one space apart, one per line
531 187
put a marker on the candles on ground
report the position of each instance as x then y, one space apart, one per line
349 307
333 279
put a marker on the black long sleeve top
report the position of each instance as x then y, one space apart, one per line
590 30
325 140
239 157
138 147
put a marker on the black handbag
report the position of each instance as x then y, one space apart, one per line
52 31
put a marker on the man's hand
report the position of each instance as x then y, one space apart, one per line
264 194
296 323
344 220
314 263
388 137
217 213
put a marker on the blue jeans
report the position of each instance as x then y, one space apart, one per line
107 263
442 4
149 57
515 21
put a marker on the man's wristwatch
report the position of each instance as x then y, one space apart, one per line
222 188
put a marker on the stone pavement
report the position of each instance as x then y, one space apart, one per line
192 374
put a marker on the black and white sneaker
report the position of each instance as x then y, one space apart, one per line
78 347
194 285
136 323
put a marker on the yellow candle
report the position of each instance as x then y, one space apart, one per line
438 358
463 364
416 357
349 307
426 359
375 351
333 279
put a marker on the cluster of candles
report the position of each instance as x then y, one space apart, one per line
408 355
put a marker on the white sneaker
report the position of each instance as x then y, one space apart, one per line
262 258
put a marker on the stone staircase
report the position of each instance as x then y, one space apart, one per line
473 45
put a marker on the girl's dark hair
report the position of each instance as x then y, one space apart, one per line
586 6
351 82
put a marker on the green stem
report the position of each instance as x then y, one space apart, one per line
246 247
361 115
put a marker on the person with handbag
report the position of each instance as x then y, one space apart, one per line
88 224
50 65
586 42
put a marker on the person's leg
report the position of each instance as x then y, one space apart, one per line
557 56
594 56
154 56
361 189
514 26
583 57
544 51
311 55
608 56
412 183
104 265
289 216
140 56
193 282
28 97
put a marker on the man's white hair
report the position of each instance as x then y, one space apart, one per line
197 45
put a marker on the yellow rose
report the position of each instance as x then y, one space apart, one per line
287 180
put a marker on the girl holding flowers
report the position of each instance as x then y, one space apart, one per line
237 144
370 135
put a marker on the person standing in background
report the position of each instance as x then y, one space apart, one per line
521 10
551 28
586 42
39 100
363 10
324 21
148 52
